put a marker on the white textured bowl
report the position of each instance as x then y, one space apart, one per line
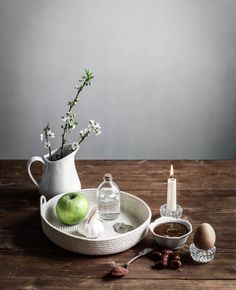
134 211
170 242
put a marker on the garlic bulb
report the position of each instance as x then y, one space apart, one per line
91 227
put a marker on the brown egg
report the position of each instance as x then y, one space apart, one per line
204 237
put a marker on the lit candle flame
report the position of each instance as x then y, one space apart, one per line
171 171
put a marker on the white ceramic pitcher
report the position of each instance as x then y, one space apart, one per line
58 176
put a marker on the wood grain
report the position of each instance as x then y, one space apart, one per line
127 284
206 190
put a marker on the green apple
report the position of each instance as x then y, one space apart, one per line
72 208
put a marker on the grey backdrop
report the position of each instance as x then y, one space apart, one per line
164 84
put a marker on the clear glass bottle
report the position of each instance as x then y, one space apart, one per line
108 199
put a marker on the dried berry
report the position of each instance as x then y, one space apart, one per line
160 265
156 256
165 257
119 271
175 257
167 252
174 264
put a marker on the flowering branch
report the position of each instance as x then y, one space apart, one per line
70 123
47 133
93 127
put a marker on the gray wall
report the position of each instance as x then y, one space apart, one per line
164 70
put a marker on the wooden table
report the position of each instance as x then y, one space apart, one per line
206 190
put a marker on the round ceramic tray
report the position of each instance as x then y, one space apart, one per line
134 211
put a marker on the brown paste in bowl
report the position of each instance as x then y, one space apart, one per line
171 229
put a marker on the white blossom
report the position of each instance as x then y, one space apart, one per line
47 144
64 119
69 116
84 133
74 146
41 137
50 134
97 129
91 124
94 127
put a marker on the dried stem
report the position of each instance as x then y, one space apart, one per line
46 129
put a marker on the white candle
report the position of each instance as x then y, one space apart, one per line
171 191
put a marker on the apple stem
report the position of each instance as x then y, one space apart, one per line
72 196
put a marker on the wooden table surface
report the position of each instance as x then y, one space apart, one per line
206 190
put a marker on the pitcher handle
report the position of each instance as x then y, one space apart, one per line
30 161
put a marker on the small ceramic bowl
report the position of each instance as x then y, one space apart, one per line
170 242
